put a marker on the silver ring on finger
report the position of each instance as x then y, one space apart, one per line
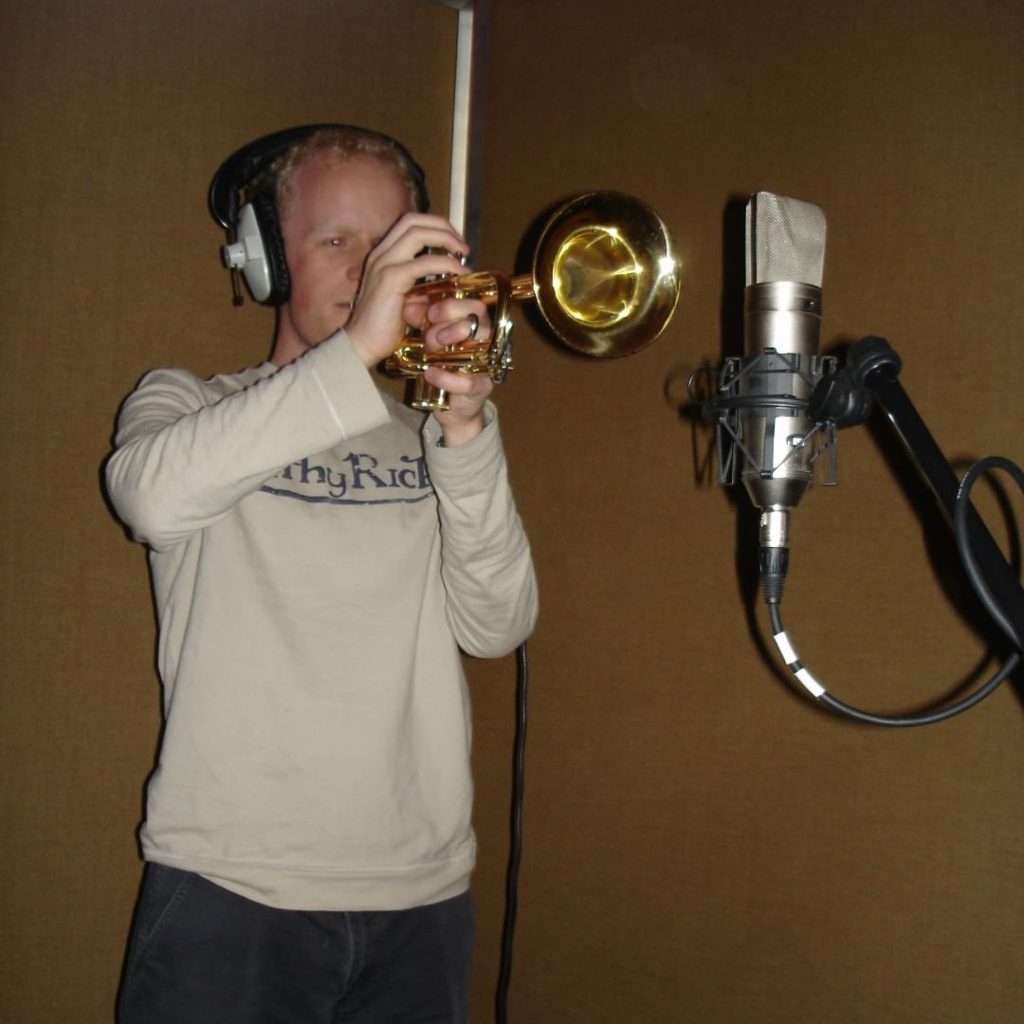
474 326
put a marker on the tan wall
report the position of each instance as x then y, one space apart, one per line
700 843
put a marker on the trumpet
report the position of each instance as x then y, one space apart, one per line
604 278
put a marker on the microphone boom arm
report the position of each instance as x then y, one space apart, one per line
845 399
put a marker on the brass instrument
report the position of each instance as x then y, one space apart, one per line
604 278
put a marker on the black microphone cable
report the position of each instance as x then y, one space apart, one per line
823 697
962 533
515 837
772 591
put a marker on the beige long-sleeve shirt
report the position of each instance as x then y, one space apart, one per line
317 560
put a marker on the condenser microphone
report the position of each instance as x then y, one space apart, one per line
764 435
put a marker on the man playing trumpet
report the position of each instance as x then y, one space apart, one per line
320 554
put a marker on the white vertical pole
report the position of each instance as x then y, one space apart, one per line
458 184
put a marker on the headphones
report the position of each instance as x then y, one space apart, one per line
255 244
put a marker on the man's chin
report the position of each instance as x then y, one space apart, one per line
338 323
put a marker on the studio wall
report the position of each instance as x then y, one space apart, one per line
700 842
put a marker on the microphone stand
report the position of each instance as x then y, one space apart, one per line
845 399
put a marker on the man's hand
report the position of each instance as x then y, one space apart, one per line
392 268
383 308
453 321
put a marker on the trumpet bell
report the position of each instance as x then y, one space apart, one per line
604 274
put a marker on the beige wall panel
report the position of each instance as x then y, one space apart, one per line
114 117
701 843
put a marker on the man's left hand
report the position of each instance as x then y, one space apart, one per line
453 321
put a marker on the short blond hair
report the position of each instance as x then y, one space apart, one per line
347 143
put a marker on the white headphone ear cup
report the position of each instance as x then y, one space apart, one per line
257 270
278 278
248 253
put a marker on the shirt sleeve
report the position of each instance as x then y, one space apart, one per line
187 451
486 564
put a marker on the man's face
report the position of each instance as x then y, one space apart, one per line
337 212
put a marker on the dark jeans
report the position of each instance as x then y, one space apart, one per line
199 954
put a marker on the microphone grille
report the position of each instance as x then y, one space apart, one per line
785 240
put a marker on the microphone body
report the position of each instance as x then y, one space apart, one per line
777 376
764 437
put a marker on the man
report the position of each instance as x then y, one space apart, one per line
319 554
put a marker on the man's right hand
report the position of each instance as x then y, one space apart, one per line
392 269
